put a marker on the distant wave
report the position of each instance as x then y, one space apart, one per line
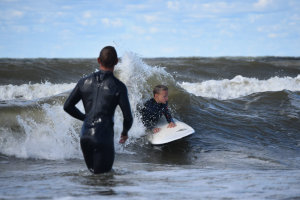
33 91
240 86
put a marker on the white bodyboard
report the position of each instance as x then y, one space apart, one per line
166 135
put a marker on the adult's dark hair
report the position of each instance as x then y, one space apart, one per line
108 57
157 89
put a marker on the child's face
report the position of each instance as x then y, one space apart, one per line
162 97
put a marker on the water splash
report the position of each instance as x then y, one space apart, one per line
47 132
55 136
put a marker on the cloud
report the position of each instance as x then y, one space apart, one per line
59 14
173 5
169 50
262 3
272 35
87 14
66 34
226 33
254 17
217 7
153 30
87 18
138 29
10 15
67 7
150 18
112 22
20 29
10 1
16 13
295 18
136 7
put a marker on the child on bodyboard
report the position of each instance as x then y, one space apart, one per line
155 107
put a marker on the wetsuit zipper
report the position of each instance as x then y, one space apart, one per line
96 99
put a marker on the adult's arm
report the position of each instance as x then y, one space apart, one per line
70 104
126 110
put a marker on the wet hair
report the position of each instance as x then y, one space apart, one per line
108 57
157 89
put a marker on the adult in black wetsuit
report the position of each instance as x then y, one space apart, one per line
155 107
100 93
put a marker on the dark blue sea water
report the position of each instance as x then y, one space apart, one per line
245 111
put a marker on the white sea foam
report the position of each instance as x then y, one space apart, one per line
240 86
33 91
54 136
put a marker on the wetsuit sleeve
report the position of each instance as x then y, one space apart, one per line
70 104
167 114
125 107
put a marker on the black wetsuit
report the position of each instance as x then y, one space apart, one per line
152 112
100 93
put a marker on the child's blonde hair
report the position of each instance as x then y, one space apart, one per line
157 89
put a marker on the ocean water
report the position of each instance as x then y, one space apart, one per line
245 111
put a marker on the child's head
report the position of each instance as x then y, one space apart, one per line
160 93
108 57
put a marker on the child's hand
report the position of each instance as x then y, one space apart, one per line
171 125
156 130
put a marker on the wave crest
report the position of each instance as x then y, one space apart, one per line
240 86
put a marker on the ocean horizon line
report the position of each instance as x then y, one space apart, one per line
158 57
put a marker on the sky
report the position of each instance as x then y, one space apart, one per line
149 28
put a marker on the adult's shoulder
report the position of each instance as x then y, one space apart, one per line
88 77
86 80
120 84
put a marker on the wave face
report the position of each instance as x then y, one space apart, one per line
34 124
245 110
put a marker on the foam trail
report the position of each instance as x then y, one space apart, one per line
240 86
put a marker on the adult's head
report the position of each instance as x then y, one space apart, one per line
108 57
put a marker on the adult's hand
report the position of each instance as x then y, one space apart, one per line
123 139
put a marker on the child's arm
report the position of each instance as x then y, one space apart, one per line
169 117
